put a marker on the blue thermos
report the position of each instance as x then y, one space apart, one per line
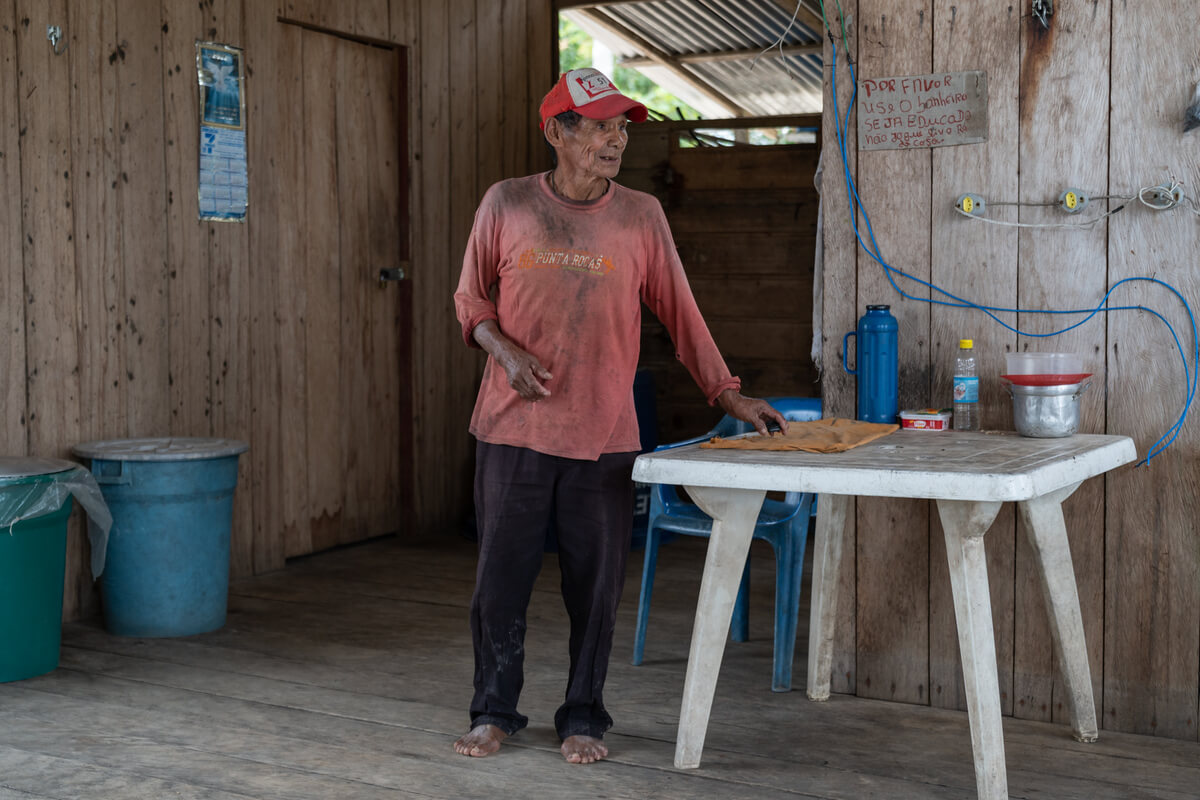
878 366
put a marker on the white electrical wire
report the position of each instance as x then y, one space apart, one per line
1084 224
779 43
1147 196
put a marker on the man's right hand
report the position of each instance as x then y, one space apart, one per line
525 373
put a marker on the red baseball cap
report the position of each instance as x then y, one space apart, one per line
589 92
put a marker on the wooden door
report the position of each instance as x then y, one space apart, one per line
347 370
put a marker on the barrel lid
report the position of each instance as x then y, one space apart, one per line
172 448
30 466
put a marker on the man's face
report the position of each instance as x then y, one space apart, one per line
594 147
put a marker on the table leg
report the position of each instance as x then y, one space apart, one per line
734 512
832 511
964 523
1048 535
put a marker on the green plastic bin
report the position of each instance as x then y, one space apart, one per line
33 556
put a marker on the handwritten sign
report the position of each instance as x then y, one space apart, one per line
922 111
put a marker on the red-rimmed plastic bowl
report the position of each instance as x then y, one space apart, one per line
1057 379
1042 364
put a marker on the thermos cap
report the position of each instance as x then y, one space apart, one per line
966 344
878 308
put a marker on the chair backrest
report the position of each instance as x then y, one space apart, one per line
728 426
797 408
794 409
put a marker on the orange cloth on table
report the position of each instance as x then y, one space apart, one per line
829 435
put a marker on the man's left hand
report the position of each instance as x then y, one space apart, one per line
754 410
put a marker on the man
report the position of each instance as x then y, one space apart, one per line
552 283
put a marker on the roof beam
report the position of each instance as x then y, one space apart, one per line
657 57
564 5
727 55
741 123
805 15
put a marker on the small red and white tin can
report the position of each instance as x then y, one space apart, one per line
925 419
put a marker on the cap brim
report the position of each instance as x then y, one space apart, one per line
611 106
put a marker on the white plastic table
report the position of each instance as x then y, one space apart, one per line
969 475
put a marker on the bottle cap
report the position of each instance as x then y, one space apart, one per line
966 344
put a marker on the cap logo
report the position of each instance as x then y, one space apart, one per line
595 85
591 85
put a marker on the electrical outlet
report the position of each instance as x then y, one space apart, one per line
1073 201
1163 196
971 204
1157 196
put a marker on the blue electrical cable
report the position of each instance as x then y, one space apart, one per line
856 207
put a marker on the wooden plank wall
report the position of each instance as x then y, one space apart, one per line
892 546
1094 101
1152 575
744 221
124 315
1053 147
987 164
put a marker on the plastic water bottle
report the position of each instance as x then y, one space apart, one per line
966 388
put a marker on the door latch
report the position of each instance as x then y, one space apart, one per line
393 274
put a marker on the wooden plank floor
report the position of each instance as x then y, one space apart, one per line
348 674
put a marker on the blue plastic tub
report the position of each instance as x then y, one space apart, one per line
167 570
32 565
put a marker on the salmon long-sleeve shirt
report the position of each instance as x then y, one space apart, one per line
563 281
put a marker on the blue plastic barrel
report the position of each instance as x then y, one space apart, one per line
167 572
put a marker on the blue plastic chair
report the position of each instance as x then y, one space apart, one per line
783 523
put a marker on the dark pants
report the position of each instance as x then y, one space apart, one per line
518 494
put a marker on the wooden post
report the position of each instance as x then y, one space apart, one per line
839 311
975 260
893 535
1063 136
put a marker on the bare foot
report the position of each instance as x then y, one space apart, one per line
583 749
482 740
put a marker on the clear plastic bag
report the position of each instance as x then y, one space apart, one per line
21 501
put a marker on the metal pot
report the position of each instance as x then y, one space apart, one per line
1046 412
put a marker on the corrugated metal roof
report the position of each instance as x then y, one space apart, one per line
663 37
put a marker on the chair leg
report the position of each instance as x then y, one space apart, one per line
739 625
643 614
789 567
